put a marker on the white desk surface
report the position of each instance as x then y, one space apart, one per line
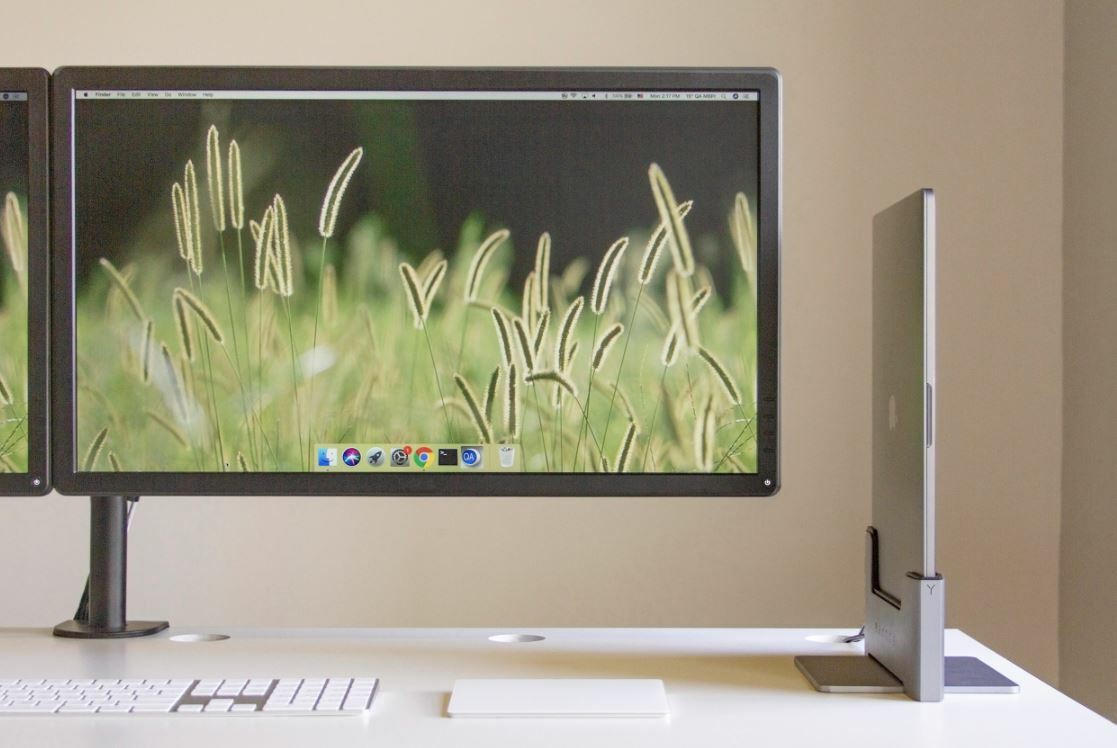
724 687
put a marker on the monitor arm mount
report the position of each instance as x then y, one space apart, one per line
105 615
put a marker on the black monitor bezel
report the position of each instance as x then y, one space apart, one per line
36 481
763 483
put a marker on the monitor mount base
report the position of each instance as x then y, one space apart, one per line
108 578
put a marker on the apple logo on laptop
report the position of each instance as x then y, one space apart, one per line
893 418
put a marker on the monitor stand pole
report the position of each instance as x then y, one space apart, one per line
108 577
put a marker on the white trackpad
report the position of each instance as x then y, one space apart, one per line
507 697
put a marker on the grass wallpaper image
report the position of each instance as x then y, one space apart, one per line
13 287
257 278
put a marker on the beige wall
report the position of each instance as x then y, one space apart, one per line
1088 620
881 97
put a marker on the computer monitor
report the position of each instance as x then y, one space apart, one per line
24 451
417 281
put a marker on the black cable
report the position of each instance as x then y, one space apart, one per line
859 636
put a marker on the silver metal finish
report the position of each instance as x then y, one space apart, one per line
847 674
930 341
903 378
853 674
905 608
909 640
971 675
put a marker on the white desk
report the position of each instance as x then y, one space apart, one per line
724 686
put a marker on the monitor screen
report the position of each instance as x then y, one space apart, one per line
24 340
14 164
406 280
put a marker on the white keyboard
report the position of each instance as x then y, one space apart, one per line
267 696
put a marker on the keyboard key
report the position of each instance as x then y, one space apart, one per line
113 709
77 709
205 688
306 695
28 708
190 708
219 705
244 707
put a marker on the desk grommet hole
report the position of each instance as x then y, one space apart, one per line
516 638
198 638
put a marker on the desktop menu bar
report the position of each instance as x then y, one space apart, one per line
631 96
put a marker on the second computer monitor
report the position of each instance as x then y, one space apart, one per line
24 459
417 281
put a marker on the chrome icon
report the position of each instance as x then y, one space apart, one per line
422 456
